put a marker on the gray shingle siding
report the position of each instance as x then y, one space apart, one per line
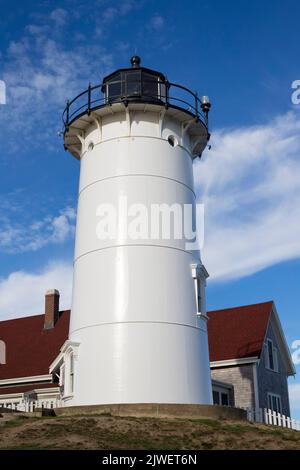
270 381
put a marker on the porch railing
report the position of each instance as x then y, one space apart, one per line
28 406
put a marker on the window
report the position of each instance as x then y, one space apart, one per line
199 276
113 87
224 399
133 83
274 402
216 397
271 356
221 397
71 373
150 85
62 379
199 299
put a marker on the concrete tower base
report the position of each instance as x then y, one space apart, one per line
160 410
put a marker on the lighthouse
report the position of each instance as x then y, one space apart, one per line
138 330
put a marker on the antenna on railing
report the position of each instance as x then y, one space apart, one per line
205 106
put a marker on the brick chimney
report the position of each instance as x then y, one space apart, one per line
51 308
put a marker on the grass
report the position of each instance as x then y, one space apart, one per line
108 432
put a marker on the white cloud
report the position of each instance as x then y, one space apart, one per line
156 22
22 292
296 354
110 13
59 16
249 183
18 237
294 392
41 71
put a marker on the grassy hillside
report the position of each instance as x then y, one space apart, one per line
107 432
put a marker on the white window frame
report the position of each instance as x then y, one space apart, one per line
274 356
221 391
199 275
62 377
69 367
278 399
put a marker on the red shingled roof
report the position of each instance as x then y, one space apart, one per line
238 332
29 348
233 333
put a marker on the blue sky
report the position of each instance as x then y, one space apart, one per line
243 54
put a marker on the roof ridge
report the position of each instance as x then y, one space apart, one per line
31 316
241 306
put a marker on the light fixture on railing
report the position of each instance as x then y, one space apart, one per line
205 105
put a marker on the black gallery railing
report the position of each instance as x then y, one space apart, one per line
164 93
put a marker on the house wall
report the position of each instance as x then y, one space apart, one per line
270 381
241 377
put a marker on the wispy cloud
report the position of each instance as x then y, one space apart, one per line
156 22
41 71
249 183
296 354
17 236
55 59
110 13
59 16
22 292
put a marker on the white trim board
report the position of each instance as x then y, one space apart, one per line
234 362
22 380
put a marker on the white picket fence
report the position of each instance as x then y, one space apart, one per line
28 406
266 416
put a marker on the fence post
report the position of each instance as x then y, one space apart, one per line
270 416
265 416
278 419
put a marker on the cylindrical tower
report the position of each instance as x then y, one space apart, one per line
138 323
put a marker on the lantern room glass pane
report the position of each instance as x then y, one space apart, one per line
133 83
113 87
150 86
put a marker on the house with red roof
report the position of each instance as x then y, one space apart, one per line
250 359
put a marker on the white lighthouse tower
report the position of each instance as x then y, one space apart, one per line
138 330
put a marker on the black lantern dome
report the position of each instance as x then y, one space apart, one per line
136 88
135 83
